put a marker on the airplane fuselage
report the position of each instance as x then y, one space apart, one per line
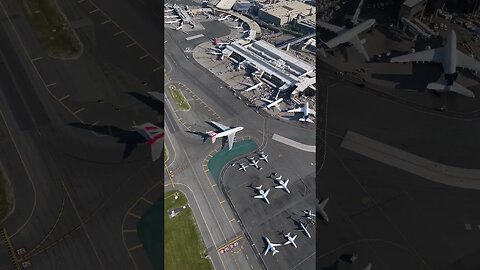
228 132
449 62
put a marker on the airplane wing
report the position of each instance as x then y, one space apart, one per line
220 126
324 203
286 243
357 12
299 109
266 100
434 55
267 250
276 245
330 27
258 197
231 137
465 61
359 46
312 112
266 192
286 182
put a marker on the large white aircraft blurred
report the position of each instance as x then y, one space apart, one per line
270 103
154 136
306 112
283 185
263 194
226 131
174 21
291 240
450 58
349 32
321 209
271 247
223 18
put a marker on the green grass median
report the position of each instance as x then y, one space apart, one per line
51 28
184 247
179 98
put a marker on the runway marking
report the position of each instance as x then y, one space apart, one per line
50 84
157 68
130 231
79 110
144 56
135 247
133 215
63 98
118 33
93 11
146 200
131 44
107 21
36 59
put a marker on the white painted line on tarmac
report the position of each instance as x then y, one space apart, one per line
292 143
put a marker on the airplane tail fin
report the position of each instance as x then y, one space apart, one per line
457 88
212 135
156 150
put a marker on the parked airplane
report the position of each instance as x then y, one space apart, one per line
253 87
270 103
239 27
154 136
278 178
263 156
226 131
349 32
223 18
450 58
321 209
309 214
283 185
263 194
271 247
243 167
291 240
174 21
304 228
306 112
254 163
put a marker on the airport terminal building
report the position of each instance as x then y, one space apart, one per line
284 12
275 66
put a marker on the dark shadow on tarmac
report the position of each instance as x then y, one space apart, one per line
421 76
127 137
201 134
153 103
334 266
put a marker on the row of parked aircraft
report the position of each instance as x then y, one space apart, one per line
448 56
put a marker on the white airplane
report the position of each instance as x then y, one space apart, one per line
226 131
306 112
450 58
309 214
263 194
283 185
253 87
179 27
243 167
174 21
223 18
170 17
239 27
278 178
291 240
349 32
270 103
154 136
321 209
263 156
254 163
271 247
304 228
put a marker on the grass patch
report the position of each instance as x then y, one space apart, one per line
51 28
6 196
183 243
219 160
179 98
165 154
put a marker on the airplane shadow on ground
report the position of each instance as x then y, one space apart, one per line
201 134
418 79
153 103
218 130
334 266
127 137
